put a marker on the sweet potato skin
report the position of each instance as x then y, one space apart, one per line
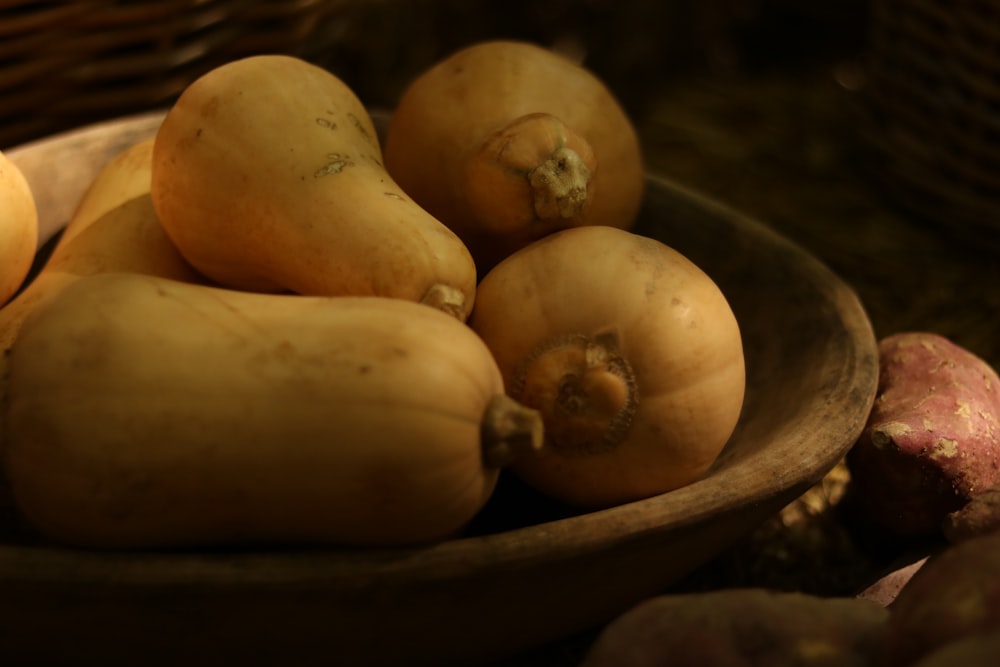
741 628
975 651
932 439
954 596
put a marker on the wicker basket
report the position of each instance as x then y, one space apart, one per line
63 64
934 100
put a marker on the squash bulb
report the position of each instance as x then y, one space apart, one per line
629 351
507 141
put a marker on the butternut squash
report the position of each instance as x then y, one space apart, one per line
630 352
506 141
126 176
126 238
18 228
199 415
268 176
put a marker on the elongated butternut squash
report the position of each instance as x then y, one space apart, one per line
144 412
268 176
630 352
506 141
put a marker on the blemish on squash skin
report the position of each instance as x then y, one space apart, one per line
359 126
335 166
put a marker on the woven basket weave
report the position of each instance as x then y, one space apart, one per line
63 64
934 98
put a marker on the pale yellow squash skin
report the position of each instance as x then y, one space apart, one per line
18 228
639 305
449 112
268 176
207 416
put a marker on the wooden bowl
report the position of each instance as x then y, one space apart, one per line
527 571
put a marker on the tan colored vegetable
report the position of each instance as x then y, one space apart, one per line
268 176
932 441
507 141
953 597
127 238
126 176
199 415
18 228
631 353
742 628
978 650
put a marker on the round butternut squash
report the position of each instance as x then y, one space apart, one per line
18 228
630 352
198 415
506 141
268 176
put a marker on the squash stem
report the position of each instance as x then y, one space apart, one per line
585 390
509 430
446 298
559 185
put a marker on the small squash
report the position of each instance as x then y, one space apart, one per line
630 352
268 176
506 141
18 228
198 415
126 175
126 238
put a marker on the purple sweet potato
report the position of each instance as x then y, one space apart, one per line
955 595
975 651
932 440
750 627
886 588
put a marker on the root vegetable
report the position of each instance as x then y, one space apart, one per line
975 651
955 595
630 352
932 441
980 516
742 628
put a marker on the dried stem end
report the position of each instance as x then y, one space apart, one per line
560 185
509 430
584 389
534 170
446 298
